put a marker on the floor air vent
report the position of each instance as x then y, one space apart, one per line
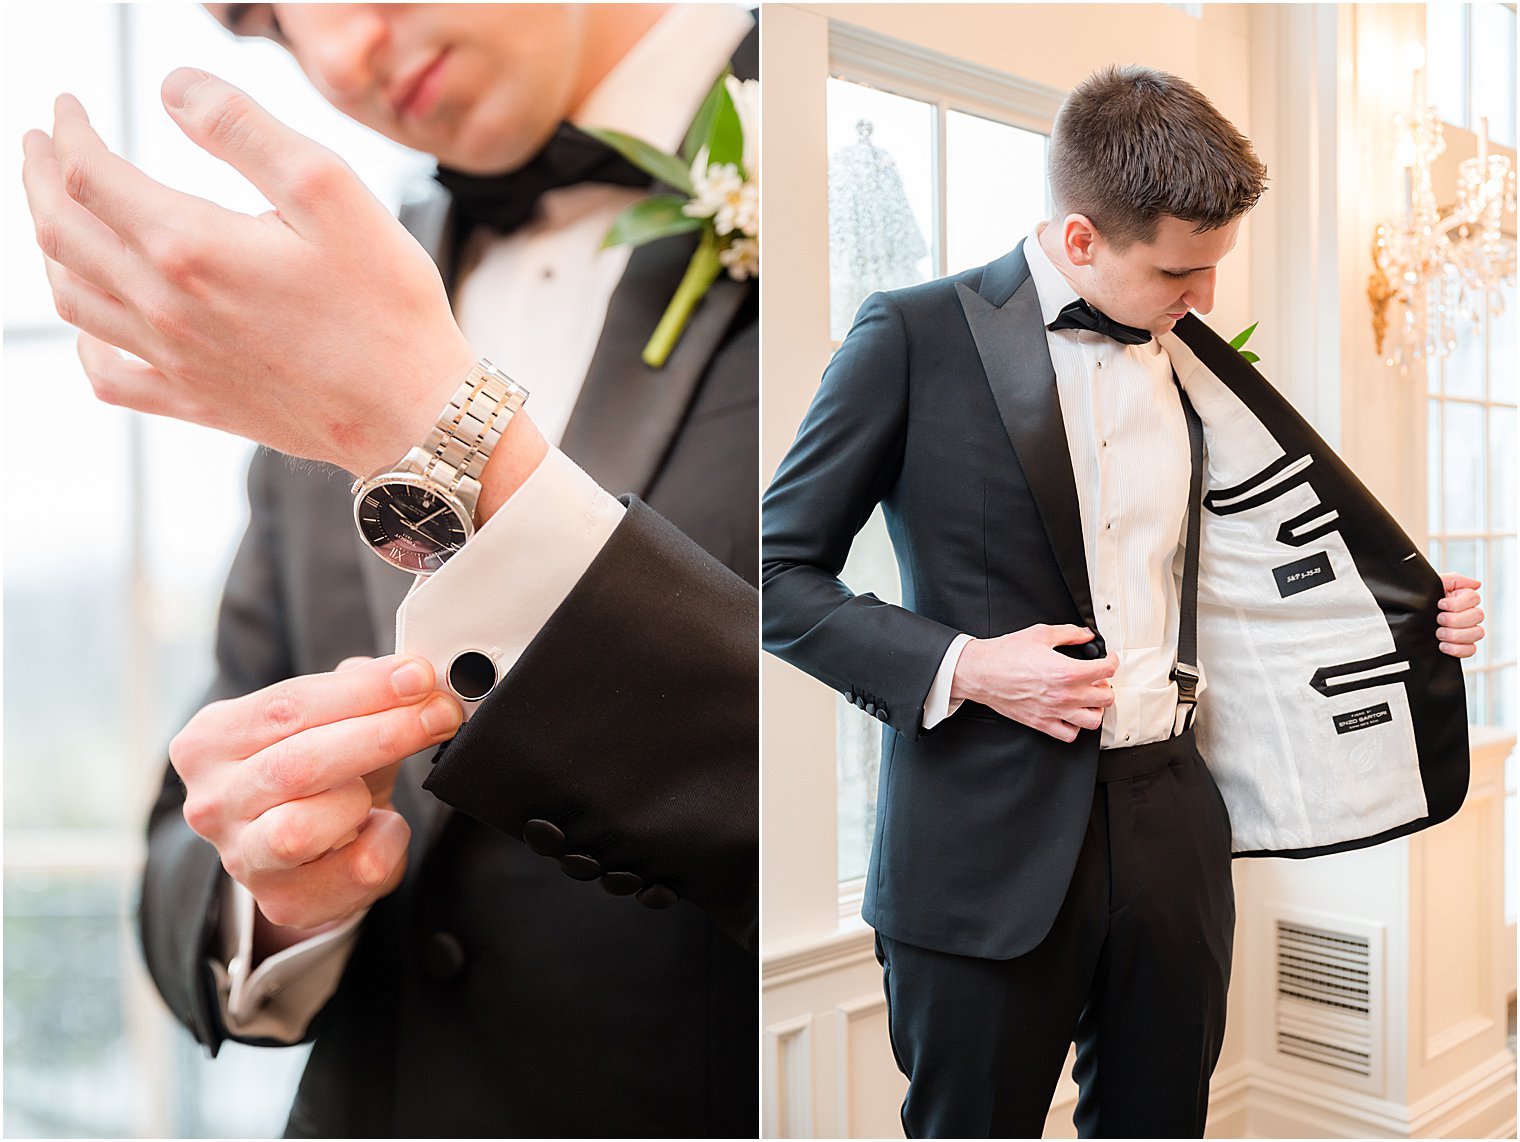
1324 997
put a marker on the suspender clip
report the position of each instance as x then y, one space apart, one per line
1186 678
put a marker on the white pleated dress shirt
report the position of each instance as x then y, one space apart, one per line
534 302
1128 439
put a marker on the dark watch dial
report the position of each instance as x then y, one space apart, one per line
410 526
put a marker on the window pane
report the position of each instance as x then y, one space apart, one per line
1462 556
1501 447
1504 355
870 567
67 601
1462 468
1499 602
881 196
69 1067
1502 683
1493 70
1464 369
1477 696
995 188
1433 524
1446 60
43 42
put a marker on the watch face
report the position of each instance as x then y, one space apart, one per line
410 525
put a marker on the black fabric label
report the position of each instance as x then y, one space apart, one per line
1302 574
1361 719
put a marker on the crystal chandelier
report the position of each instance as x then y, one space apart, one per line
1439 270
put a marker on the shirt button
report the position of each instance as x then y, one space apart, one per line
1126 737
1100 364
1108 606
1105 444
1107 526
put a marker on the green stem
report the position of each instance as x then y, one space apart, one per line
700 274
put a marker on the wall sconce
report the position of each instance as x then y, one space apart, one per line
1439 269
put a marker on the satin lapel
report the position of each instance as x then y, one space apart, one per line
627 413
385 586
1010 339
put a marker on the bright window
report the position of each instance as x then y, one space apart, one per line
1470 54
119 530
923 182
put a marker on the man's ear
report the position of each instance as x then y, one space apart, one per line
1077 237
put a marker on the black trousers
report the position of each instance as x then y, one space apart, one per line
1134 970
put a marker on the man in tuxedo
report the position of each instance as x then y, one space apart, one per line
1051 860
419 913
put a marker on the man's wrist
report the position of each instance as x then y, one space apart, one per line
413 421
964 683
270 938
517 455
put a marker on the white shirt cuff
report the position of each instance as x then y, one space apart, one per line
497 593
279 998
938 706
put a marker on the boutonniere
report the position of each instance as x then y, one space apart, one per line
716 179
1238 343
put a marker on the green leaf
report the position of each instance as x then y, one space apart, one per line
725 135
667 168
656 217
1239 340
1250 357
701 126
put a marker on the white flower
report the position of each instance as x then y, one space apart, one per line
723 195
742 257
746 97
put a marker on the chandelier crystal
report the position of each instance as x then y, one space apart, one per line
1438 271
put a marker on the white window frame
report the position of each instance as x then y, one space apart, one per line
859 56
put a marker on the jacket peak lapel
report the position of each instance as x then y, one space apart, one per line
1010 339
627 413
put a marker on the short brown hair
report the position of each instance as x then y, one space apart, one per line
1132 144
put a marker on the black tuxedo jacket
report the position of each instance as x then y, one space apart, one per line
1330 719
493 994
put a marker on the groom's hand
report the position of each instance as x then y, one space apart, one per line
1459 621
1023 677
291 784
320 328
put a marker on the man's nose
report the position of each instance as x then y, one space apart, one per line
342 47
1200 292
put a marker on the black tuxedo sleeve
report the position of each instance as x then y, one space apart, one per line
844 462
183 879
623 743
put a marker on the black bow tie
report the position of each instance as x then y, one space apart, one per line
1080 315
505 201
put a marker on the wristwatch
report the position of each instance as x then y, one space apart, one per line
418 513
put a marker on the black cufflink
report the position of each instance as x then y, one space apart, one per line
471 675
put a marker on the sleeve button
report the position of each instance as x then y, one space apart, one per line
657 896
544 838
579 866
622 883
